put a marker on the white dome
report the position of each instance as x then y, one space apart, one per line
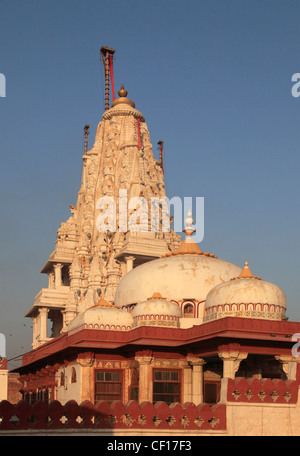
156 311
247 296
102 316
175 277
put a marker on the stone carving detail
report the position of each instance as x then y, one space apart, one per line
115 161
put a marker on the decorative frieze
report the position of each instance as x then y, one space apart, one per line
245 310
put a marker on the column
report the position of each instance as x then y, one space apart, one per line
197 379
67 317
51 281
87 384
129 262
58 275
187 382
34 332
289 365
57 323
231 361
43 323
3 379
145 382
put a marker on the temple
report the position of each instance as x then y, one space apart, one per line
146 326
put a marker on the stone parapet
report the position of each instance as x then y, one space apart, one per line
115 416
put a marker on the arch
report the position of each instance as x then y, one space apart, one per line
73 375
188 310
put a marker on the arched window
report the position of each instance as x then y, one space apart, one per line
73 375
62 379
188 311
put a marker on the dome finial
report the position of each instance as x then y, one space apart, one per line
122 92
123 100
189 230
103 303
246 273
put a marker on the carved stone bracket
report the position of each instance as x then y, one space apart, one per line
232 358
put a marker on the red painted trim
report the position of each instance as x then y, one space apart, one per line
110 58
3 364
111 416
256 334
264 391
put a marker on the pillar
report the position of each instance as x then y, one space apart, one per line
34 332
231 361
197 379
129 262
67 317
43 323
187 382
51 281
145 382
58 274
87 383
57 322
3 379
289 365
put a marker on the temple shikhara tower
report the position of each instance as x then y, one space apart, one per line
87 262
149 333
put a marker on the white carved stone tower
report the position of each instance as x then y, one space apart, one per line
86 261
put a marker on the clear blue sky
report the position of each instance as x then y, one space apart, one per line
213 80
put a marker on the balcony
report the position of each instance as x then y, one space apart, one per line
52 298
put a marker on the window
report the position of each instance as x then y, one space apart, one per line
166 385
212 392
108 386
73 375
134 386
188 311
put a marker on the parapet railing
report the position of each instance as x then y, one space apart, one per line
114 416
264 391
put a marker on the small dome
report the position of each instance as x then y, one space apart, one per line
156 311
246 296
102 316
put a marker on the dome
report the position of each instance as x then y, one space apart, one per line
185 274
156 311
175 277
246 296
102 316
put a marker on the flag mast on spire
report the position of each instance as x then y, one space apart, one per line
107 59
